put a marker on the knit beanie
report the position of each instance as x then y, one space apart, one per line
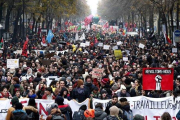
79 83
14 100
105 80
114 110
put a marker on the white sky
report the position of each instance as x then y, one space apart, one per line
93 6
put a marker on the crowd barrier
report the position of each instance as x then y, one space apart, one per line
150 108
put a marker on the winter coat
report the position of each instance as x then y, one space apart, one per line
30 109
64 109
100 114
80 95
19 115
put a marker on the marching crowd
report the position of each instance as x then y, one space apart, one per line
74 67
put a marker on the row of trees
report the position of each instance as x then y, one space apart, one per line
142 12
40 11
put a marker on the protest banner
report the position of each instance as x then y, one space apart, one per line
82 45
115 47
12 63
87 43
150 108
106 47
42 105
97 73
118 54
158 78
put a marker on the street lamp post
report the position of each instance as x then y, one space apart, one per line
23 20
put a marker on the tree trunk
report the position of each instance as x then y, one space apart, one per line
172 26
14 39
151 18
7 18
1 10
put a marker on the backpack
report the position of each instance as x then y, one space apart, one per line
57 117
129 114
31 116
78 115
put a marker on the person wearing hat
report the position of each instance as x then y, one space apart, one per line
15 86
65 108
114 112
123 92
88 85
19 113
80 93
12 108
89 114
48 95
106 86
103 95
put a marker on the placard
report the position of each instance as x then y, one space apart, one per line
119 43
118 54
125 59
97 73
115 47
174 50
100 44
87 43
141 45
106 47
83 45
12 63
158 78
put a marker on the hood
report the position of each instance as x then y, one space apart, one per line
98 112
125 105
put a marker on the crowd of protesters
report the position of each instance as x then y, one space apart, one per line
74 69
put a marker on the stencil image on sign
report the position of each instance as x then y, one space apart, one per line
158 78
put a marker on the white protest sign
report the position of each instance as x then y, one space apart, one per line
174 50
83 45
119 43
106 47
49 79
12 63
87 43
62 52
82 37
125 59
127 51
76 37
115 47
141 45
100 44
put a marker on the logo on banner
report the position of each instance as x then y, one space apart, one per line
158 78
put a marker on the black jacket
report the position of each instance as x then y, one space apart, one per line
80 96
19 115
64 109
29 110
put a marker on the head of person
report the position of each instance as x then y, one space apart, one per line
89 114
32 102
123 89
137 83
80 84
62 83
83 107
114 111
48 91
138 117
166 116
18 106
88 79
14 101
53 106
59 100
5 91
99 105
15 80
114 99
103 94
17 92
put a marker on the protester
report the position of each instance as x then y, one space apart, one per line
31 110
99 113
114 112
89 114
79 115
166 116
138 117
48 95
18 113
12 108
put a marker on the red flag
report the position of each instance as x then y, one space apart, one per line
168 40
2 40
43 40
25 46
